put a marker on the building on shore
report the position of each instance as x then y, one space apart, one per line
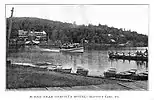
32 35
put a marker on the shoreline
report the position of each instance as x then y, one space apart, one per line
25 77
89 46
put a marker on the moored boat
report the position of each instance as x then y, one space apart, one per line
51 50
128 57
33 42
76 47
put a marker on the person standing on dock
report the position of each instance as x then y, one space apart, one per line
140 53
146 53
137 53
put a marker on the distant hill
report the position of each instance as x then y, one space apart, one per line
68 32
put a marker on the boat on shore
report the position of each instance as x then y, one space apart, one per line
82 71
63 70
49 66
126 74
111 72
130 74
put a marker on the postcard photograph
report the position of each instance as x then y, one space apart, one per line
74 47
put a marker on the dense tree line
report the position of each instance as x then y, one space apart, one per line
67 32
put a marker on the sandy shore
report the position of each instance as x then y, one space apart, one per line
26 77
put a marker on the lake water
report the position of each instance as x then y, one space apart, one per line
96 61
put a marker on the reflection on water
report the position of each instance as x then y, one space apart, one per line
96 61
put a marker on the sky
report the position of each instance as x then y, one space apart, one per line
130 17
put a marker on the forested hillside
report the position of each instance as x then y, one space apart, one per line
67 32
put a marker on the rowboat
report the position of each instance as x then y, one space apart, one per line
43 64
48 66
82 71
132 71
130 74
63 70
51 50
140 76
111 72
77 49
125 75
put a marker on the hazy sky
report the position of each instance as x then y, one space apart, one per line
134 17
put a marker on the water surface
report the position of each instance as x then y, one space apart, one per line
96 61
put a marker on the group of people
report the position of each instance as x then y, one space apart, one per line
140 53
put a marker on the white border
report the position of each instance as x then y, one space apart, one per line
124 95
